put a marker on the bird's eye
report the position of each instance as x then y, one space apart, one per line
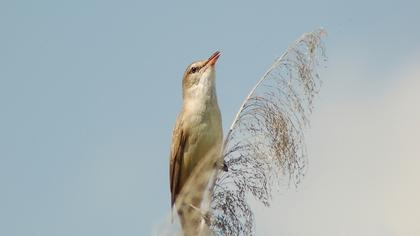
194 69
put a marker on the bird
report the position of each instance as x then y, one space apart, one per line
197 135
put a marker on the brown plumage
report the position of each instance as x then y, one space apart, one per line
177 150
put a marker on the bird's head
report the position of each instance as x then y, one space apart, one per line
199 77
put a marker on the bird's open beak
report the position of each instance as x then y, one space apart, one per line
212 59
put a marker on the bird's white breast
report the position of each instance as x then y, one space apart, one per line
204 125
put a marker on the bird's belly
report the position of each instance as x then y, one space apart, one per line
204 140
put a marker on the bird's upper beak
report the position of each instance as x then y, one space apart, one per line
212 59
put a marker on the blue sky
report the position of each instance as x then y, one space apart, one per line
89 92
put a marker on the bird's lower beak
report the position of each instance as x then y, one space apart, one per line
213 59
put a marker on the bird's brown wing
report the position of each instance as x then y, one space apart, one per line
179 138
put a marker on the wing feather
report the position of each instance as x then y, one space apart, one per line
176 159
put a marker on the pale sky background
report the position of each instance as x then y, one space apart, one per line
89 92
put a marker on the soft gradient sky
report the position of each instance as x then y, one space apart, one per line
89 92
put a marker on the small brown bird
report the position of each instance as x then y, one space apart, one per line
198 129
